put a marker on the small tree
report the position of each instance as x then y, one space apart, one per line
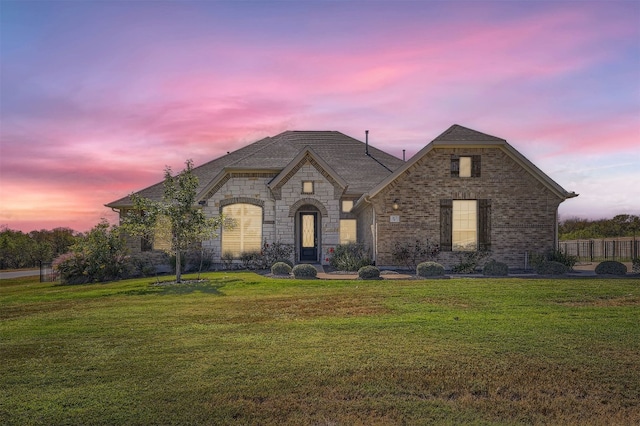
177 217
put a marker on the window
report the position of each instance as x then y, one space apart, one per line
464 225
347 231
243 229
307 187
347 205
465 166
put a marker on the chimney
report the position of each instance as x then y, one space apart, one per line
366 142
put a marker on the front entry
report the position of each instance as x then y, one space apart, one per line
308 237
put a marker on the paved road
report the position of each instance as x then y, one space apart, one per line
18 274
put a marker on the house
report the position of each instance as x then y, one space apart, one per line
465 191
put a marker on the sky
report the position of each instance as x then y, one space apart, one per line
97 98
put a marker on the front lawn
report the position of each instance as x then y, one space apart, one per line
245 349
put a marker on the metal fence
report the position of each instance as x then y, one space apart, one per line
47 273
622 249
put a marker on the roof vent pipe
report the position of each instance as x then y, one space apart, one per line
403 152
366 142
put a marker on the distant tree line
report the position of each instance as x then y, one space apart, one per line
622 225
27 250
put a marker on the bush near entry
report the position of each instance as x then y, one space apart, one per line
304 270
369 273
281 268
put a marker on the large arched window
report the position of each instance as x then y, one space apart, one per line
243 229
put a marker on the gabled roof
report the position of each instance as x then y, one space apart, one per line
307 154
460 137
344 155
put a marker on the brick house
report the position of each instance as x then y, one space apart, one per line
465 191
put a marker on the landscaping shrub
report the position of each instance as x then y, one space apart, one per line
635 265
469 261
149 263
611 267
100 256
198 260
411 254
276 252
369 272
304 270
430 269
281 268
551 267
553 256
494 268
349 257
251 259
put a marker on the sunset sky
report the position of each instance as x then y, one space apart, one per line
97 98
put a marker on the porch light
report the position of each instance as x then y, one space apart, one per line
396 206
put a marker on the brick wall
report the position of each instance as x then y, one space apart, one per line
523 210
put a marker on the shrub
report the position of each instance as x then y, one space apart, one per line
250 259
100 256
369 272
410 254
495 269
198 260
349 257
281 268
611 267
227 259
149 263
276 252
430 269
304 270
551 267
635 265
469 261
553 256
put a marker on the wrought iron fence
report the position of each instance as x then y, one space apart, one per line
620 249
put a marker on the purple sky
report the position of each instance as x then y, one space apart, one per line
98 97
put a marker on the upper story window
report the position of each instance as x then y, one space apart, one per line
347 205
307 187
465 166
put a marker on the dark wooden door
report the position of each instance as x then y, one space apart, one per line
308 237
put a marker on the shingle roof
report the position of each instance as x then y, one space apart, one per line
344 154
458 133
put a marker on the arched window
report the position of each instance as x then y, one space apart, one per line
243 229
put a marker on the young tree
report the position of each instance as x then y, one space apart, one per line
176 217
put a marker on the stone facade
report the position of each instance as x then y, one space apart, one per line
281 207
523 210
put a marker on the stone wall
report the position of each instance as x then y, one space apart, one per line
523 210
325 199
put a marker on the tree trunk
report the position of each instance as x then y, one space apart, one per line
178 271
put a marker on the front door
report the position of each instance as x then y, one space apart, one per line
308 237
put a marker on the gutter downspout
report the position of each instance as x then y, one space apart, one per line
374 230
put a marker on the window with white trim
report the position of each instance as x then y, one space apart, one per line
243 229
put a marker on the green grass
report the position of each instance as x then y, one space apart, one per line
244 349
